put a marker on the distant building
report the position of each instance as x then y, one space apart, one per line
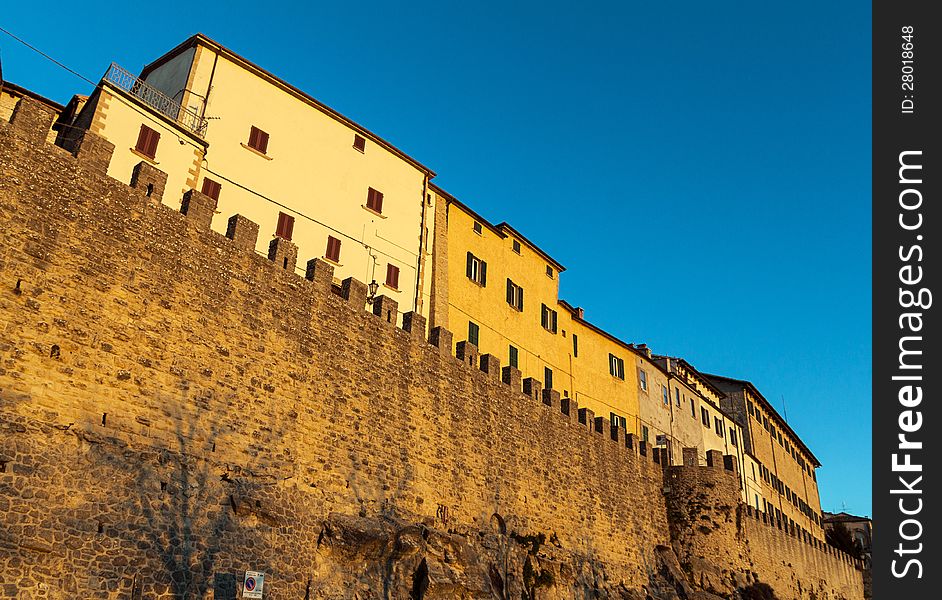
785 464
860 528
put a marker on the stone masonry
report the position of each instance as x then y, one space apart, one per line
176 409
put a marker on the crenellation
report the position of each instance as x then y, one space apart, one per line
490 364
570 407
354 291
149 180
32 120
586 417
283 253
467 353
243 232
414 324
93 151
618 435
512 377
442 339
321 274
550 398
198 208
533 388
386 308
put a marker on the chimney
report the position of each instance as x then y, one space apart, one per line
580 312
644 348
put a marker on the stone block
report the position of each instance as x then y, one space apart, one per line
32 119
414 323
442 339
691 457
320 273
512 377
283 253
551 398
490 364
242 232
533 388
93 151
714 459
354 291
149 180
586 417
467 353
198 208
569 407
386 309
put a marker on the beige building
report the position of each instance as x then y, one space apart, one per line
215 122
784 463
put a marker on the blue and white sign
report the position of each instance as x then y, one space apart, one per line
252 586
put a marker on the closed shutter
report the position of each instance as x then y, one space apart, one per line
554 321
483 274
510 293
374 200
211 188
285 226
258 140
147 141
359 142
333 249
470 270
392 276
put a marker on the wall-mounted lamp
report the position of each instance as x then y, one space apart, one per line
373 288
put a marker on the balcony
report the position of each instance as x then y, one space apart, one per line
157 100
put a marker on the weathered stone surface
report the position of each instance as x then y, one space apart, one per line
208 411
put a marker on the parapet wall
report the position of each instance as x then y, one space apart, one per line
724 544
176 409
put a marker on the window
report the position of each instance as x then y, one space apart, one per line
359 142
374 200
258 140
619 421
147 142
575 345
514 295
705 417
211 188
677 396
665 395
548 378
752 409
644 433
392 276
478 228
642 379
718 425
285 227
474 333
549 271
548 319
516 246
693 408
772 430
732 437
514 358
333 249
765 422
616 366
477 270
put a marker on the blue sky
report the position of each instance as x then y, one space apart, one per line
702 169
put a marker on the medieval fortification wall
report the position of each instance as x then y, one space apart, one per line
176 409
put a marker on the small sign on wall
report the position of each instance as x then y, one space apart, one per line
252 584
661 440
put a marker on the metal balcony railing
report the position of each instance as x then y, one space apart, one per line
155 99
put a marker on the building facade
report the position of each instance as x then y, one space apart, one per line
217 123
786 466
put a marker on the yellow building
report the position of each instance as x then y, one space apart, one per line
785 465
215 122
496 289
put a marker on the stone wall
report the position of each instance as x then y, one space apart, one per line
176 409
724 545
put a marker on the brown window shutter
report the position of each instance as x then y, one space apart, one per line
374 200
379 201
359 142
285 226
211 188
253 137
392 276
263 142
147 141
333 249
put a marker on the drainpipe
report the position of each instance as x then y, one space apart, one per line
419 271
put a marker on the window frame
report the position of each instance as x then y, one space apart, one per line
332 243
474 333
147 141
258 140
392 276
374 200
284 228
514 295
616 366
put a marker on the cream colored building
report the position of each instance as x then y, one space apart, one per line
217 123
785 465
